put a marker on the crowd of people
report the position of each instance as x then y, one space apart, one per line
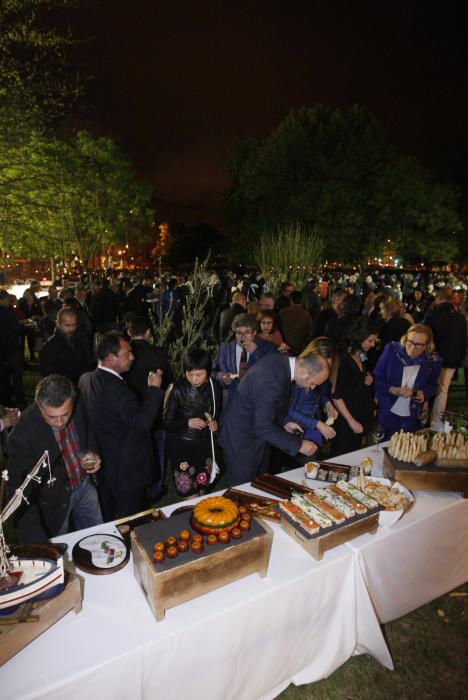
272 382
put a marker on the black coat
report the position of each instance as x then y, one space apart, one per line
147 358
45 515
59 356
449 328
183 401
121 428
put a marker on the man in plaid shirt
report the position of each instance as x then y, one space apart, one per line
57 421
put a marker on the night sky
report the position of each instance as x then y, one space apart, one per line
177 84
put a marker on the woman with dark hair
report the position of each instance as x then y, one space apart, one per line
353 395
269 330
395 325
337 328
405 379
191 410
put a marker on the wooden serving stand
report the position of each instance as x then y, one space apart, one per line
30 620
427 478
166 588
317 545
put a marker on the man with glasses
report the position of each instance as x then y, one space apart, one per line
121 426
236 357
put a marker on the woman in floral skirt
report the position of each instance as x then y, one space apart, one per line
191 410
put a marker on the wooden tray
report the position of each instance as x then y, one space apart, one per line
258 506
426 478
282 488
319 544
15 636
189 576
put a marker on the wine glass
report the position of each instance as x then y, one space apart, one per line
88 461
378 435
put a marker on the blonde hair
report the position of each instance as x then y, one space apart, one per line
425 330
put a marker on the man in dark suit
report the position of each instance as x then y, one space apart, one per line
233 359
148 358
11 353
255 415
67 351
121 426
57 421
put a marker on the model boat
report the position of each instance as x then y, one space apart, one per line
28 572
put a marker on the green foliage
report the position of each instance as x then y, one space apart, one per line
335 171
291 253
34 69
193 319
59 198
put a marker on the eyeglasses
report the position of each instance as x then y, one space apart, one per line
243 334
416 345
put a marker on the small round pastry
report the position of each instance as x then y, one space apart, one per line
197 546
159 547
197 538
183 546
242 510
184 536
171 541
224 537
158 556
244 525
236 533
211 540
172 552
246 516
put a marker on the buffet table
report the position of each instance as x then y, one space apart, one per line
252 637
419 558
249 639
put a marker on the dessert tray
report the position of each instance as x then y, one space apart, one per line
188 575
259 506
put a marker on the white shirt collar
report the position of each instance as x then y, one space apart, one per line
111 371
292 366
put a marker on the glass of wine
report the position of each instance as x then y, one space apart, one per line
378 435
89 460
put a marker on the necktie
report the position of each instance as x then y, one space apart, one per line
243 363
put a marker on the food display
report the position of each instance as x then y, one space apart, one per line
392 496
174 563
326 517
215 514
327 471
251 504
423 448
427 461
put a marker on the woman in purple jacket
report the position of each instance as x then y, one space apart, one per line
405 379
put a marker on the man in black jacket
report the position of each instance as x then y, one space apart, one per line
67 351
449 329
148 358
57 422
11 353
121 427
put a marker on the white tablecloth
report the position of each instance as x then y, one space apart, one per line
419 558
249 639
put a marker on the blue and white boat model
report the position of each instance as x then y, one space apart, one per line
26 577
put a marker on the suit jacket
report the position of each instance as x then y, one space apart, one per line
121 428
59 356
225 361
44 516
147 358
254 417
